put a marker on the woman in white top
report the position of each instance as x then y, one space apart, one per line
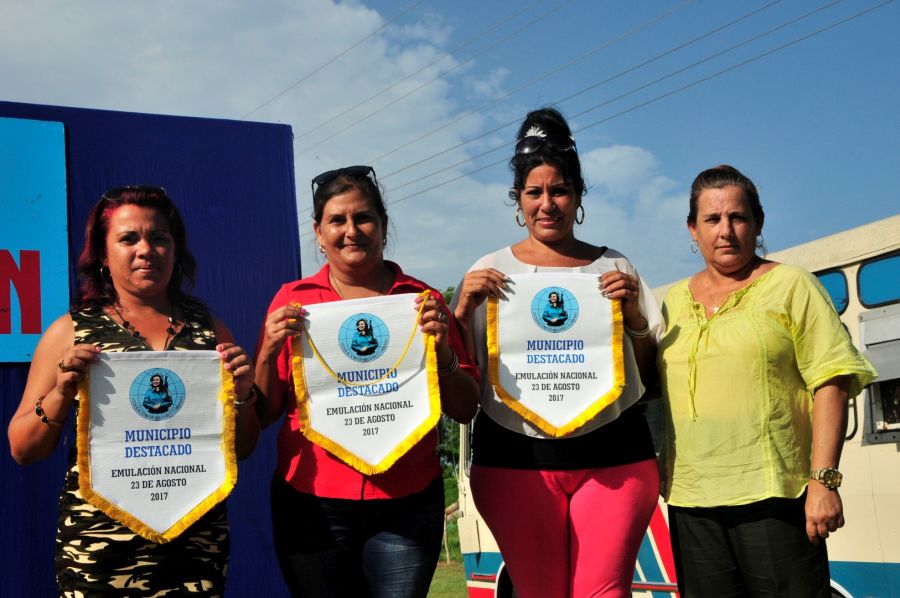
568 513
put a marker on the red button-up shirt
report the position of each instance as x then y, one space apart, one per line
311 469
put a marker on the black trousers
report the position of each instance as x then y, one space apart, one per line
755 550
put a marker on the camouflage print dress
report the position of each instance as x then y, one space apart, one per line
98 556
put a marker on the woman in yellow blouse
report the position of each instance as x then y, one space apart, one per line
757 369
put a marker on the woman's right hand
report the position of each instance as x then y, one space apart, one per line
58 364
71 368
282 323
477 286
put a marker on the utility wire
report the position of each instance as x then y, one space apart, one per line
621 73
654 99
437 78
333 59
545 75
643 86
712 56
632 91
497 100
427 66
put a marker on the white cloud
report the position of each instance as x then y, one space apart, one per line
638 211
489 87
223 60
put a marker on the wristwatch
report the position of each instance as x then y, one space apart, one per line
827 476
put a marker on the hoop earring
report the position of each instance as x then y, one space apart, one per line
694 246
519 211
577 219
761 244
104 274
321 248
383 243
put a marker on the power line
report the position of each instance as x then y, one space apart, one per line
332 60
486 105
655 99
446 54
712 56
545 75
640 87
672 50
737 65
437 78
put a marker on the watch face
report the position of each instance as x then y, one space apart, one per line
831 478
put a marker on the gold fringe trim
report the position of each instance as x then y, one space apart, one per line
604 401
390 370
347 456
226 397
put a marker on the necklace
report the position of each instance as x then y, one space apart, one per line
337 289
742 276
126 325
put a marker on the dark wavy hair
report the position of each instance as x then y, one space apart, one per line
559 298
721 176
552 122
95 288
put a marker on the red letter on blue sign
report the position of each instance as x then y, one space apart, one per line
26 277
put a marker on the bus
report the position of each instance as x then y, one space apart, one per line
860 269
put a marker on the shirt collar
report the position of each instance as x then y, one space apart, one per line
402 282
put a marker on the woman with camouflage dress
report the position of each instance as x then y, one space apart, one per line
134 261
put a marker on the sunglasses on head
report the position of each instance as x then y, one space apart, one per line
116 192
330 175
532 143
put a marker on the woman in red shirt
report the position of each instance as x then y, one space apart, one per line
339 532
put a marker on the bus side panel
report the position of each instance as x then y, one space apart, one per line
655 567
482 570
867 579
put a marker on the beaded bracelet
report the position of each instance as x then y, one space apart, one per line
645 331
251 398
450 369
39 411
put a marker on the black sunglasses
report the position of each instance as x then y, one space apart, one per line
330 175
116 192
532 143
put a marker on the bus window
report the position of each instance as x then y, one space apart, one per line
879 281
890 405
836 284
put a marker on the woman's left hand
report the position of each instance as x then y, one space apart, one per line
627 288
236 361
824 511
434 319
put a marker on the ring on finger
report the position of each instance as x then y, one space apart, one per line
62 367
441 317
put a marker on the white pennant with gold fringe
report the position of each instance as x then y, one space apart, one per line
155 435
555 350
365 378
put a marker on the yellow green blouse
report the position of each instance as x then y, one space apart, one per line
739 387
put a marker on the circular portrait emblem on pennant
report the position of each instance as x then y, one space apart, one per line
363 337
554 309
157 394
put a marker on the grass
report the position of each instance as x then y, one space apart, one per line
449 581
450 578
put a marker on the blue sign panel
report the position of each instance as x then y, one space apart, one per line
34 255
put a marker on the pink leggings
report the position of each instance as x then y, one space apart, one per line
568 534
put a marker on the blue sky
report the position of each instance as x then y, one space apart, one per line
815 124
